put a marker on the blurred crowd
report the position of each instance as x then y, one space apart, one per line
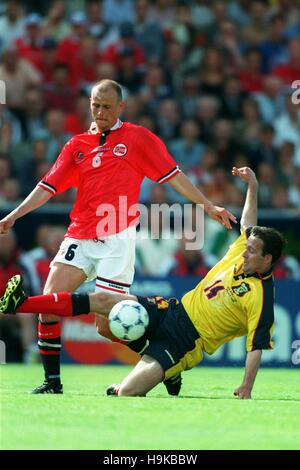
213 78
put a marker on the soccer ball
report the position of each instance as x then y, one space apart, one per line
128 320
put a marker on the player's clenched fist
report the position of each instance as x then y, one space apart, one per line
6 224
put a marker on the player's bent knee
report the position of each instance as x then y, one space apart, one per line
128 391
101 298
100 302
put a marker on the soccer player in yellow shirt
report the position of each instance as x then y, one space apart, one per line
236 298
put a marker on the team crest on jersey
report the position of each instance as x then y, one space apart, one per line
242 289
159 302
120 150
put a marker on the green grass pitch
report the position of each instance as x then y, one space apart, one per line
205 416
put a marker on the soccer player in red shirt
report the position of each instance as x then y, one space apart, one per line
107 166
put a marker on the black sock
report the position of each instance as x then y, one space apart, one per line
49 347
51 366
80 304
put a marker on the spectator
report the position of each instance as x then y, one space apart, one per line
105 33
10 130
212 72
28 166
147 32
232 98
287 268
188 149
70 45
290 71
280 198
224 142
5 171
182 29
132 110
208 108
228 42
58 94
106 70
270 100
116 12
175 65
274 48
156 245
256 32
287 127
55 24
294 189
12 23
189 262
79 120
251 73
54 134
34 112
285 164
164 14
191 71
29 258
10 192
265 151
126 41
267 181
82 63
220 186
188 96
19 333
129 75
52 240
48 60
29 45
247 129
18 74
168 119
202 14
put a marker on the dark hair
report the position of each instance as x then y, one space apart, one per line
107 84
273 241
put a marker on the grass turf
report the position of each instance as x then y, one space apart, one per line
205 416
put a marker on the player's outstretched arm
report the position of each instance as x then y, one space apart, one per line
251 369
184 186
249 214
35 199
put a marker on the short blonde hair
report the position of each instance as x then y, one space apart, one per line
107 84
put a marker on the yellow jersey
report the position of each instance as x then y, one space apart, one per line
227 303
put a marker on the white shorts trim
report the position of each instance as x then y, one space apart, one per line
112 286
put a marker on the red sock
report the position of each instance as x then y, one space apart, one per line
62 304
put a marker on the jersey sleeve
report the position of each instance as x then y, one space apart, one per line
260 314
236 249
154 160
64 173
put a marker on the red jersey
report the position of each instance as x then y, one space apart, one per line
108 176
